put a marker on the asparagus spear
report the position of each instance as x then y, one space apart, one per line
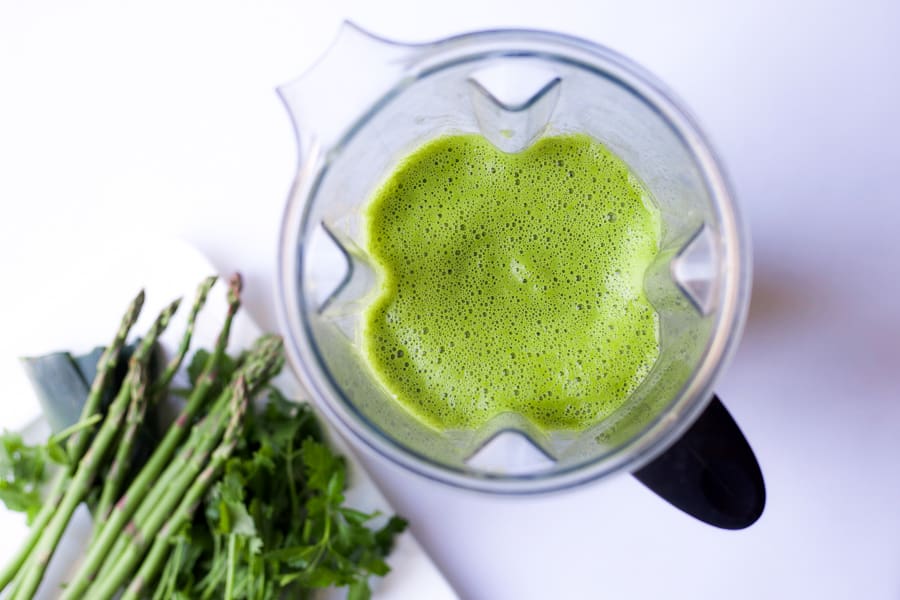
185 511
90 463
115 475
196 477
118 468
183 468
161 457
172 368
77 443
264 362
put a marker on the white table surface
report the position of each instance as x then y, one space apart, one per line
161 117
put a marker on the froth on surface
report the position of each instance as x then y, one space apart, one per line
511 282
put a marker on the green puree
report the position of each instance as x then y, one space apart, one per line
511 282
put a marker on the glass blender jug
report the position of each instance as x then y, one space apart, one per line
370 102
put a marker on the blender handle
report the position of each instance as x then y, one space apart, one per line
710 473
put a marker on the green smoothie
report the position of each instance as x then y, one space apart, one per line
511 282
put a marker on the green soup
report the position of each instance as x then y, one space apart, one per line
511 282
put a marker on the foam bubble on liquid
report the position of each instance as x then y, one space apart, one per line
512 282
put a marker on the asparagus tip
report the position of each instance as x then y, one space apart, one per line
203 290
170 310
235 286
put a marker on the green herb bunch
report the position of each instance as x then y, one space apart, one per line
276 521
240 497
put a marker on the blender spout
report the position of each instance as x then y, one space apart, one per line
356 72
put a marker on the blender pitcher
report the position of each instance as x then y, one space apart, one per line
369 103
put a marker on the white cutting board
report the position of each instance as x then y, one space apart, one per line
74 302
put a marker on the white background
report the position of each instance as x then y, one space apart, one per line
161 117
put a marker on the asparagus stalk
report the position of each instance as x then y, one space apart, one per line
161 457
186 464
77 443
264 362
115 476
172 368
183 496
185 511
90 463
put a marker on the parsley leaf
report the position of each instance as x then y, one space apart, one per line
22 471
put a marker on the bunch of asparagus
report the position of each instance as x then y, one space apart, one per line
136 521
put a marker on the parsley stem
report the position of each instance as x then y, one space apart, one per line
289 464
59 438
232 561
